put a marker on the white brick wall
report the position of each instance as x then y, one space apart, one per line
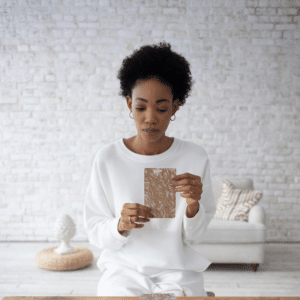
59 99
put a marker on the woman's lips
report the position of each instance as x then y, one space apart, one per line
154 130
151 131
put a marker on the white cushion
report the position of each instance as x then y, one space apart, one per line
235 204
238 182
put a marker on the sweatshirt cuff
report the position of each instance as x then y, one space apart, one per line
192 222
113 226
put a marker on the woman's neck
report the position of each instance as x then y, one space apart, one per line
139 146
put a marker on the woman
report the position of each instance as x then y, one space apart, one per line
154 257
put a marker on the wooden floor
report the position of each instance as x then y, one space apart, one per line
278 276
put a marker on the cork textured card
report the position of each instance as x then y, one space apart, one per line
158 193
169 296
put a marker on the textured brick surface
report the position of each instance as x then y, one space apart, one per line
59 99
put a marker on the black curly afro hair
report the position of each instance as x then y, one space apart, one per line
160 62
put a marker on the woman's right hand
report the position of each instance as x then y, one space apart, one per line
134 211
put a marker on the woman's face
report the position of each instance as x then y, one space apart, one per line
155 110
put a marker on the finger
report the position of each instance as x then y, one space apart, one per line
126 212
190 191
187 194
191 195
143 213
134 215
187 188
138 219
137 206
135 225
179 177
186 176
187 181
135 210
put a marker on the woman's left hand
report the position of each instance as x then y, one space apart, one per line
190 185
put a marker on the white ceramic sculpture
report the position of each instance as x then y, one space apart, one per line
64 230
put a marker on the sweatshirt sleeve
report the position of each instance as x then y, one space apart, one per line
99 222
194 229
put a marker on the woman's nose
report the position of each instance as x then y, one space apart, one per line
151 116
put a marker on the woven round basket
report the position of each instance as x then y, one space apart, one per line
48 259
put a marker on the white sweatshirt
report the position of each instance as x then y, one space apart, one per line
163 243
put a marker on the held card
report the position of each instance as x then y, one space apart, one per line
158 193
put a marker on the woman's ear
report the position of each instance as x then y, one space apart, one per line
175 106
129 102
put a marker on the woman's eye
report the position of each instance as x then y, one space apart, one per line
144 108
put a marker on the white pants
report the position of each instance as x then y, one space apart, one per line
118 280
